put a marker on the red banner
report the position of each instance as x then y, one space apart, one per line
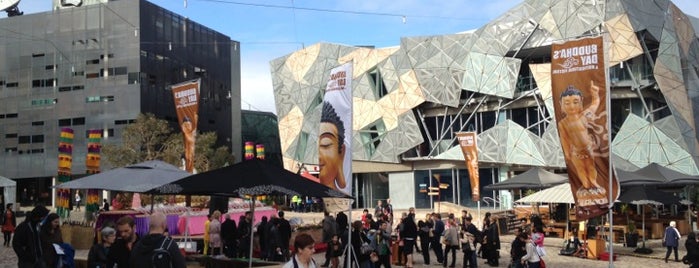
186 96
579 87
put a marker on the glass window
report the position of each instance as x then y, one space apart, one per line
24 139
37 138
422 181
78 121
64 122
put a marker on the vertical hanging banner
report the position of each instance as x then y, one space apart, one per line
186 97
579 84
92 166
468 144
260 151
335 136
65 163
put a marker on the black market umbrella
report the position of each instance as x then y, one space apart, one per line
629 178
643 195
137 178
535 178
672 177
252 178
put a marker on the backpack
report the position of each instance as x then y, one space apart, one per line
161 256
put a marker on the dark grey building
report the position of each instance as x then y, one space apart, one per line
98 66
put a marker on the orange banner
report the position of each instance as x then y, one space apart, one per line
467 141
186 96
579 86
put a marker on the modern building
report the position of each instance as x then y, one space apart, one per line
410 100
261 128
97 66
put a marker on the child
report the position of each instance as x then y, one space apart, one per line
335 248
578 145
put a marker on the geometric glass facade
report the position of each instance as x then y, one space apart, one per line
409 100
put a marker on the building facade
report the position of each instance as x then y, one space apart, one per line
261 128
410 100
98 66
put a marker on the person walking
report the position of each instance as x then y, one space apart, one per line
78 198
424 234
437 230
215 233
451 242
9 222
472 236
671 240
98 257
531 259
144 251
26 243
329 230
126 239
228 235
50 234
304 247
692 258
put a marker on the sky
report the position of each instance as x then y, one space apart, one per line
269 29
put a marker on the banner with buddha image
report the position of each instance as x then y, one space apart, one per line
579 85
335 136
186 97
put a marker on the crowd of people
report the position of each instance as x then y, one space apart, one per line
373 238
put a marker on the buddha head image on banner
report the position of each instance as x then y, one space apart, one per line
331 149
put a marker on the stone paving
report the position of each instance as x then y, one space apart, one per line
626 258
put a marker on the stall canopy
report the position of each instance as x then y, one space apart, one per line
654 170
634 178
559 194
9 190
535 178
137 178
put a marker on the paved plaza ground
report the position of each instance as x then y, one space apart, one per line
626 258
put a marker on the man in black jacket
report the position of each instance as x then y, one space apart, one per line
142 253
26 243
228 235
244 229
408 234
285 234
126 239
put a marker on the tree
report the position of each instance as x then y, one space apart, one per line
150 138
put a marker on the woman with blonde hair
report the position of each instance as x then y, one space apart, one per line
671 240
215 233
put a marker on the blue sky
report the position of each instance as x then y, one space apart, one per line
268 29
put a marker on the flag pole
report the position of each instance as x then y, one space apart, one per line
610 175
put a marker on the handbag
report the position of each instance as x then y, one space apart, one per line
542 264
366 249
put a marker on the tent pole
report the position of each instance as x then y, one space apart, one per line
252 223
152 202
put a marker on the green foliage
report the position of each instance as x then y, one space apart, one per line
150 138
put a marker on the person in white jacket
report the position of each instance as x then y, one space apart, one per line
532 257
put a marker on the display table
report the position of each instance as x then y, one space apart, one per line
196 222
594 248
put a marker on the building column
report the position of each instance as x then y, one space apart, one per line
505 195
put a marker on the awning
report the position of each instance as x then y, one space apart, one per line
560 194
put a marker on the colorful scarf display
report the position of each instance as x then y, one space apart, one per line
65 163
92 165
